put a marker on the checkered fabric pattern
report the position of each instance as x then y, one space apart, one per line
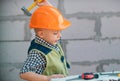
35 61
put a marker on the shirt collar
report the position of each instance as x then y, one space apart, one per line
43 42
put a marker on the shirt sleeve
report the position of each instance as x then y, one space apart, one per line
34 63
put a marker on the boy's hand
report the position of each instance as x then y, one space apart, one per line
43 3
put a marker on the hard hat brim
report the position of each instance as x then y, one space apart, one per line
62 26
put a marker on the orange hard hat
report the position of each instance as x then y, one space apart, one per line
48 17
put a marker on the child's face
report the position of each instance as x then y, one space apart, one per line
51 36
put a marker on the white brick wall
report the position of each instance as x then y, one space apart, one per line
91 43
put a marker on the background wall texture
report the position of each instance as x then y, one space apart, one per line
91 44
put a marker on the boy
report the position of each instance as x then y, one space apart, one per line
45 56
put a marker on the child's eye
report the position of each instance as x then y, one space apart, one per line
55 33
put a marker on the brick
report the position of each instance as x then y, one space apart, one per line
90 50
91 6
13 52
79 29
110 27
12 30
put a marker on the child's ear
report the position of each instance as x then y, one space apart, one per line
41 33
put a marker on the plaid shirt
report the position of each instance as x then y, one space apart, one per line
35 61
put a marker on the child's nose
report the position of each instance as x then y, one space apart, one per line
59 35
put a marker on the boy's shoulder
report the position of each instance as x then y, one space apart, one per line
39 47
